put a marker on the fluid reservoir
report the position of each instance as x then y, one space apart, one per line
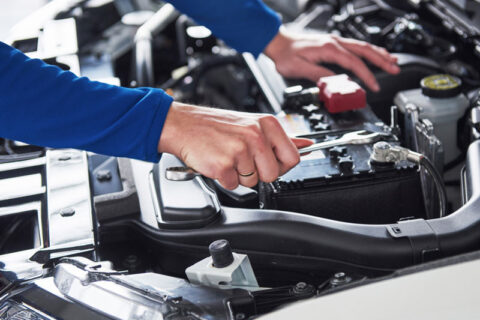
441 101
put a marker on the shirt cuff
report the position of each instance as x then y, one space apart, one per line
262 30
163 103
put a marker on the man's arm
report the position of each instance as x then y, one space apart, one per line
43 105
249 25
246 25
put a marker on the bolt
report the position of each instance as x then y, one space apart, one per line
67 212
340 278
176 299
104 175
301 286
240 316
340 275
64 157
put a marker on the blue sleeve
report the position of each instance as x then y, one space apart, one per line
43 105
246 25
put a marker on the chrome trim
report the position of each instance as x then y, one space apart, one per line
262 82
143 43
155 200
68 186
99 292
9 166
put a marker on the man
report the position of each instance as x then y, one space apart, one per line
43 105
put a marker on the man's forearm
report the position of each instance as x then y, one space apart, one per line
41 104
246 25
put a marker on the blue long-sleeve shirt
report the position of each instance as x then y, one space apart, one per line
41 104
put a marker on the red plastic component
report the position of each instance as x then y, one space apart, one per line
340 94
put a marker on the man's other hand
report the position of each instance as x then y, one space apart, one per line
299 56
232 147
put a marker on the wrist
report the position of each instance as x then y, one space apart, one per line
169 139
278 44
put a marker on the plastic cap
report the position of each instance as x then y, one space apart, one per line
339 94
441 86
221 253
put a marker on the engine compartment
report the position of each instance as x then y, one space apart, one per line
340 218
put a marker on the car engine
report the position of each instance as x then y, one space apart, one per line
393 181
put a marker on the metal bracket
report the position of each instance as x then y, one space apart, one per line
44 255
422 237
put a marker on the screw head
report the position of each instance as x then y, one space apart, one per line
340 278
64 157
67 212
300 286
104 175
339 275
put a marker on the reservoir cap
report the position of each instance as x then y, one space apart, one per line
441 86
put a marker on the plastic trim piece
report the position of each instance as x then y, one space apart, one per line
422 238
283 238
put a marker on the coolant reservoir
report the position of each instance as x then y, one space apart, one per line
441 101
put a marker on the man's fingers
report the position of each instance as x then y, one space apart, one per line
351 62
283 147
261 150
352 43
228 177
378 56
301 142
246 170
301 68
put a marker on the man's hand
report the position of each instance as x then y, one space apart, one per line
233 147
298 56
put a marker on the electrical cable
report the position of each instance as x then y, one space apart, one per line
383 152
437 179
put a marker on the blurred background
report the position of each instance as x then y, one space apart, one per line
13 11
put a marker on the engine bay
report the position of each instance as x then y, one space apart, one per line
392 184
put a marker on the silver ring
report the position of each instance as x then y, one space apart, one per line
246 174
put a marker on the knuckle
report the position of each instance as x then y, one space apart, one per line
239 147
210 171
223 166
365 45
255 138
269 178
230 185
270 120
271 174
293 160
259 146
253 131
330 45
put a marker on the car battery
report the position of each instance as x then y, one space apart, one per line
341 183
